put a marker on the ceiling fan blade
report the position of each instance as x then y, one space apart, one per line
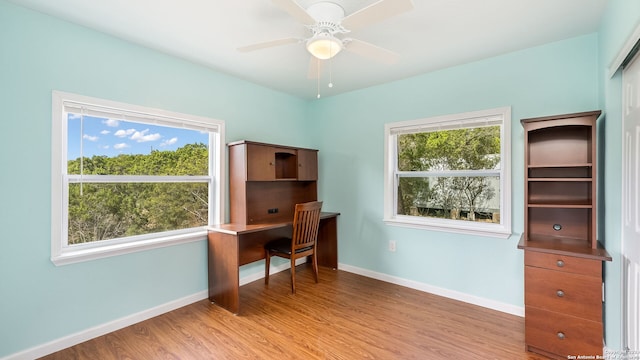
376 12
371 51
268 44
315 68
295 10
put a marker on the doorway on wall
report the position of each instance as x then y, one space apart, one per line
631 204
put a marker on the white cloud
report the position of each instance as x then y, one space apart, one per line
105 132
74 116
124 133
141 136
169 142
120 146
111 122
89 137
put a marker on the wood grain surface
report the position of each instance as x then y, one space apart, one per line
344 316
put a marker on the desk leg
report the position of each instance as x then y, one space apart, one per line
224 278
327 245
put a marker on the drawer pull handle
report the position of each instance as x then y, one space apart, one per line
560 263
561 335
560 293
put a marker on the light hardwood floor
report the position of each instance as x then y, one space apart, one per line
345 316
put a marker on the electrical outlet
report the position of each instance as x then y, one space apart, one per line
392 245
272 211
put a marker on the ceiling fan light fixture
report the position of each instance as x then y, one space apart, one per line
324 46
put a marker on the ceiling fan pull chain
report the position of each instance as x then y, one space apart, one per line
318 77
330 62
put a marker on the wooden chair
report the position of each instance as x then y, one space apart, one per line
306 220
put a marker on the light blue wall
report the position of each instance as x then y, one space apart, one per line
40 302
618 23
553 79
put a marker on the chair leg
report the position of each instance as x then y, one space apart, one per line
267 261
314 264
293 275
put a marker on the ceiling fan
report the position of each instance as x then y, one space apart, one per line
328 25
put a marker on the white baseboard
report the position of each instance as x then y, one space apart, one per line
451 294
94 332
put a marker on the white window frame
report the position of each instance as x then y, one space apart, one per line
61 252
496 116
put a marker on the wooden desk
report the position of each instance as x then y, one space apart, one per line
234 245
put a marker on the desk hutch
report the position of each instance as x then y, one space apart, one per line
266 181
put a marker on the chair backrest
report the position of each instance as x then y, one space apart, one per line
306 220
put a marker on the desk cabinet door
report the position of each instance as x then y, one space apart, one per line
261 163
307 165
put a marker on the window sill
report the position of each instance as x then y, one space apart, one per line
470 228
71 255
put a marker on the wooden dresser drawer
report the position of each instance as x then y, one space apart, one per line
563 263
567 293
562 334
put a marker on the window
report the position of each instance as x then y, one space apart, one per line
127 178
450 173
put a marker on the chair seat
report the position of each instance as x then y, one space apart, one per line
283 245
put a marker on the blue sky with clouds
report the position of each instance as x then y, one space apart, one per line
112 137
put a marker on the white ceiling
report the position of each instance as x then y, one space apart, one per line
434 35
